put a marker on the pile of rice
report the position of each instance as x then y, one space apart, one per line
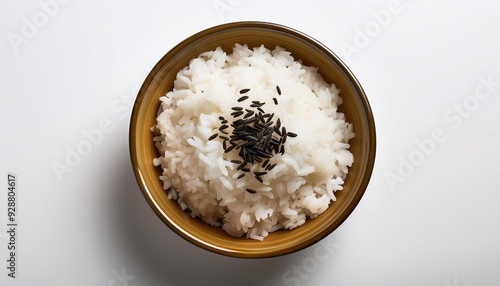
198 173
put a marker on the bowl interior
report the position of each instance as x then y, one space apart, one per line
302 47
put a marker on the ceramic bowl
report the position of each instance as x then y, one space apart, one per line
312 53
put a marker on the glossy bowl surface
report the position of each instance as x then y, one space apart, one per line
310 52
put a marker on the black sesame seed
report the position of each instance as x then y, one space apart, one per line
260 126
260 109
275 140
221 118
237 113
275 101
267 142
238 130
257 104
213 136
270 167
270 148
245 170
251 191
245 90
237 108
259 173
241 176
224 121
291 134
242 98
253 128
264 154
278 89
258 148
259 179
258 116
277 129
282 149
237 122
229 148
276 149
251 151
243 134
265 163
251 144
223 127
224 145
249 113
250 120
251 138
224 138
236 161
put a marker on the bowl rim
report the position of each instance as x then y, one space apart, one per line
371 154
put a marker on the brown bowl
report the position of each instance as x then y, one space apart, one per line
355 106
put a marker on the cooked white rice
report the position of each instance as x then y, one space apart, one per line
198 173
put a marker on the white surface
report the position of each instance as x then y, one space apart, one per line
440 225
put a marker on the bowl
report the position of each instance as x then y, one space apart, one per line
303 47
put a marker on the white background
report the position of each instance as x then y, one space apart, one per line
428 218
